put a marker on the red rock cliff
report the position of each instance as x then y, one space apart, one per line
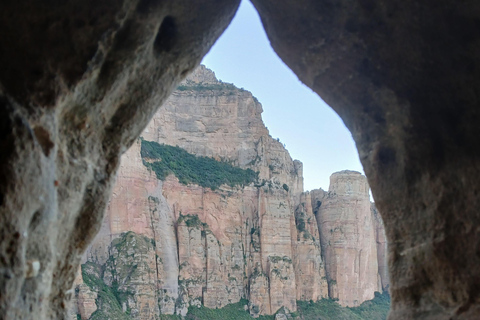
165 245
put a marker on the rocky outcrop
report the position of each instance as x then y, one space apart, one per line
308 261
214 245
348 237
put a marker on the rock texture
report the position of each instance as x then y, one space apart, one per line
79 82
382 247
404 77
348 237
213 247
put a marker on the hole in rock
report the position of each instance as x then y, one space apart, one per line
166 36
36 220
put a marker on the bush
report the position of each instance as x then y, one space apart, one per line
329 309
199 87
325 309
108 300
234 311
375 309
188 168
192 221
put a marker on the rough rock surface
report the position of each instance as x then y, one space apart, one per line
308 262
79 82
86 301
382 247
404 77
348 237
213 247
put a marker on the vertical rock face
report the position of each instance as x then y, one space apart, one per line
308 264
211 245
384 278
348 236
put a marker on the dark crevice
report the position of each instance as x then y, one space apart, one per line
36 219
167 35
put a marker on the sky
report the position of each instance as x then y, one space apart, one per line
312 132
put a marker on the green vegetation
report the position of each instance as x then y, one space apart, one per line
188 168
91 275
224 87
234 311
375 309
276 259
307 236
170 317
221 86
129 239
325 309
328 309
112 299
300 223
192 221
108 300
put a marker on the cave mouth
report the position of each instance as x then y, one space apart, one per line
217 208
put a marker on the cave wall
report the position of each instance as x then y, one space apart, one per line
79 82
404 77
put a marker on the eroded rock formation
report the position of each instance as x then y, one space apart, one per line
347 232
214 246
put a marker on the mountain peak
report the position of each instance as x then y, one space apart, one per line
202 75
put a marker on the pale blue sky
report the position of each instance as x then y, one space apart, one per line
311 131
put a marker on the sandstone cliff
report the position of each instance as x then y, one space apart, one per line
170 241
347 232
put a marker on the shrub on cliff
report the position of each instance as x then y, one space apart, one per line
234 311
188 168
221 86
